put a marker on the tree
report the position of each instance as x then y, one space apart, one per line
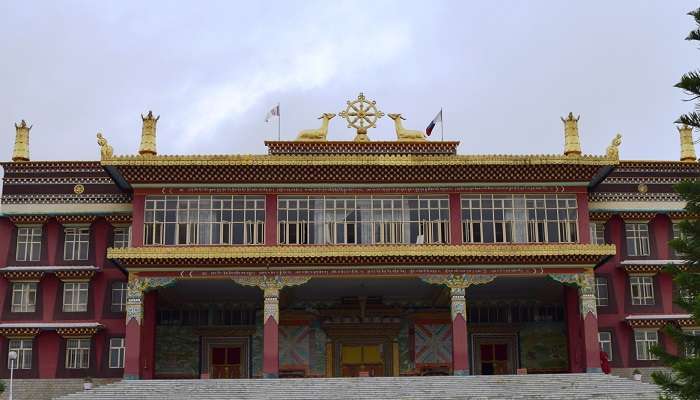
683 382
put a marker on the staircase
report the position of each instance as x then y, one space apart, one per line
555 386
45 389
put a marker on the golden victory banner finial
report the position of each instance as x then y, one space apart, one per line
361 114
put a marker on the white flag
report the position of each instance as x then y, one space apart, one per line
274 112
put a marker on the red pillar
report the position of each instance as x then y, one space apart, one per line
270 220
574 327
590 336
271 334
148 336
455 218
460 337
139 205
132 351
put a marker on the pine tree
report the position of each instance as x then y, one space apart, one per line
683 382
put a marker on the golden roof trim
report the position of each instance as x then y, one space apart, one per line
317 251
356 159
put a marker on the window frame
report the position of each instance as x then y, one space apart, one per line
119 350
644 286
32 240
32 291
24 353
645 344
609 342
78 357
75 306
121 239
119 307
601 281
637 239
77 239
597 232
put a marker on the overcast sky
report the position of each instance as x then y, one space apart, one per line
503 71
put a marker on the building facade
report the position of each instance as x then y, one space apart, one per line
336 258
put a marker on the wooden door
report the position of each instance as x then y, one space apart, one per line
494 358
226 362
362 360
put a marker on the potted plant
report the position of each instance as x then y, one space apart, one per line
87 383
636 375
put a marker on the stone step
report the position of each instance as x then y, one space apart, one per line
45 389
554 386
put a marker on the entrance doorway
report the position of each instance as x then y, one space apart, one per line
226 362
494 355
362 360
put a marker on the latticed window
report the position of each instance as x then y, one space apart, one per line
122 237
23 297
601 291
637 239
597 230
23 348
644 340
489 218
363 219
75 296
116 353
642 290
78 353
76 243
119 296
605 340
691 351
677 234
204 220
28 243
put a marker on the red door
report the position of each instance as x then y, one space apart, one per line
494 358
226 362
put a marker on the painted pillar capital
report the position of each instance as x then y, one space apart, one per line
135 289
586 284
461 281
271 286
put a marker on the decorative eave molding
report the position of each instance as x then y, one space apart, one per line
325 255
347 147
19 332
77 331
648 266
64 329
35 273
657 321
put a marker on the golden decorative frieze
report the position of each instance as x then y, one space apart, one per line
14 275
84 275
77 331
462 281
319 251
19 332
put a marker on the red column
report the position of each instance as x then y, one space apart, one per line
271 334
590 336
6 228
460 337
148 335
455 218
133 333
583 222
574 327
139 204
270 220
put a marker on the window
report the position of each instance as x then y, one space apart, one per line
75 296
118 297
605 340
597 232
644 341
78 353
363 219
76 243
601 292
23 347
689 350
642 289
28 244
204 220
116 353
677 234
637 239
23 297
122 237
489 218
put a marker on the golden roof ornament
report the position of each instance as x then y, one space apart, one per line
106 150
572 145
405 135
317 135
21 150
613 151
148 135
687 145
361 114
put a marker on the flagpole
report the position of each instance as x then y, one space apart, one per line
442 126
279 121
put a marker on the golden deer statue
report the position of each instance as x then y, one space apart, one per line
317 134
405 134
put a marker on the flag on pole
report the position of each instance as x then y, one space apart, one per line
438 118
274 112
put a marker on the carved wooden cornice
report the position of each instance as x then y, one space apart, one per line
19 332
77 331
75 275
324 255
29 219
347 147
34 276
76 219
